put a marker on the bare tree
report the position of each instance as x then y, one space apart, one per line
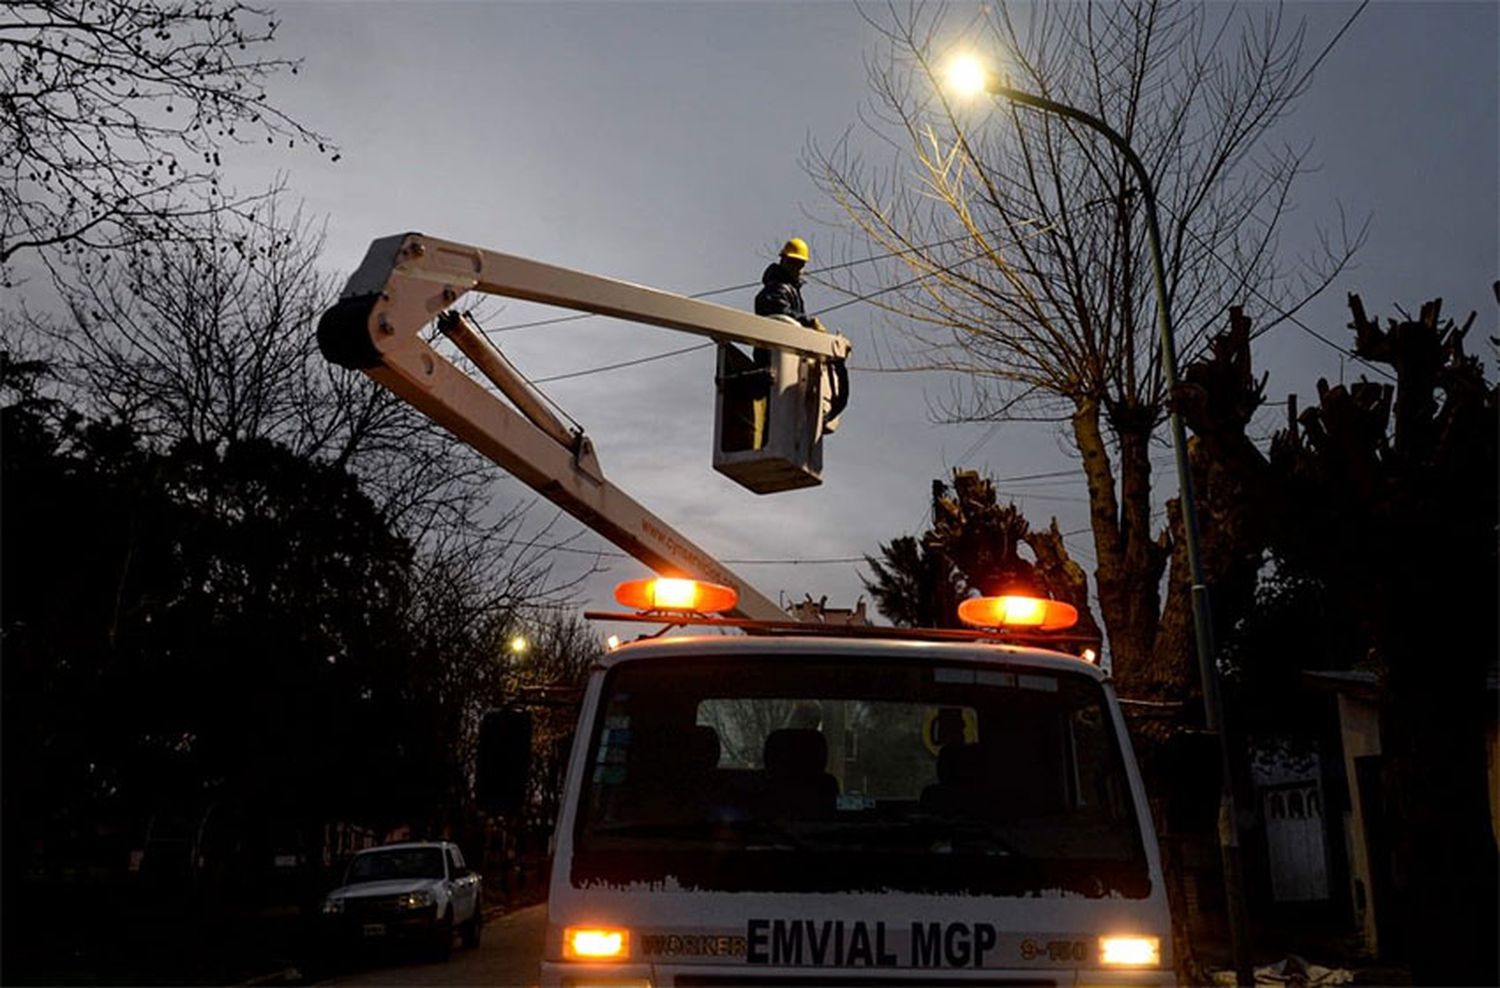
114 115
1022 241
200 341
210 340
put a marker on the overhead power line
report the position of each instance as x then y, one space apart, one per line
742 287
944 269
899 285
1331 43
614 554
1037 476
1023 495
1291 316
832 560
703 346
758 561
995 428
1288 315
624 363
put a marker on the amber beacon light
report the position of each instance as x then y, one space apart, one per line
662 594
1035 613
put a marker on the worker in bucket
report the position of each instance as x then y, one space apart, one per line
781 294
780 297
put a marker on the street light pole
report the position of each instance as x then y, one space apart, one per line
1203 628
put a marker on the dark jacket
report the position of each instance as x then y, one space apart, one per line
781 296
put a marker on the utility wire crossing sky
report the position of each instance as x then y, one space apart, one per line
663 145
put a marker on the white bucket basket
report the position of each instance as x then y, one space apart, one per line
768 419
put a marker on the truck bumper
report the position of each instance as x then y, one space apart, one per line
556 974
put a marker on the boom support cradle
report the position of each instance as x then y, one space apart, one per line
408 280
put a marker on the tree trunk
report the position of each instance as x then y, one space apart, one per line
1130 560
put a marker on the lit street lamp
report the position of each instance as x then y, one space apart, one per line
967 75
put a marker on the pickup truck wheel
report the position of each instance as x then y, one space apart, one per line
471 929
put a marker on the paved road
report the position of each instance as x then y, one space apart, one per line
508 954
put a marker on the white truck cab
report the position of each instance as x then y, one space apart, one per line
819 810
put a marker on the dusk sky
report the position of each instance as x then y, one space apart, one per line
661 144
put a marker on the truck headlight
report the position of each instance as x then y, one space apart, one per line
332 907
596 943
415 900
1130 951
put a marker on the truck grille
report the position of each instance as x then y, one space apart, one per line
368 906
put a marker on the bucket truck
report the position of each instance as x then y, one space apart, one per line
769 420
804 804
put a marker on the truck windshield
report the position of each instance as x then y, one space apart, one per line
817 775
397 863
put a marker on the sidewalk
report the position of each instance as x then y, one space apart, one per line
1310 974
1283 953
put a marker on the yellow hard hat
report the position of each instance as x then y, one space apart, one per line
796 249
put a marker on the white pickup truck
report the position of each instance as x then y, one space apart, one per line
418 891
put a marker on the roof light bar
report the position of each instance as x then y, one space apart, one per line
663 594
1017 612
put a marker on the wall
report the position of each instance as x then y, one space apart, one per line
1359 724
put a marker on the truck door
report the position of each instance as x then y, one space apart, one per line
465 886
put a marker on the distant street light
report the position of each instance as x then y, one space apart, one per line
519 645
967 75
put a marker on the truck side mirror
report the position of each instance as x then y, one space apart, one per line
504 767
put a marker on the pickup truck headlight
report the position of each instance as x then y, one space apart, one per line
415 900
332 907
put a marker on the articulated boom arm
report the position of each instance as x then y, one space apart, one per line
407 281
